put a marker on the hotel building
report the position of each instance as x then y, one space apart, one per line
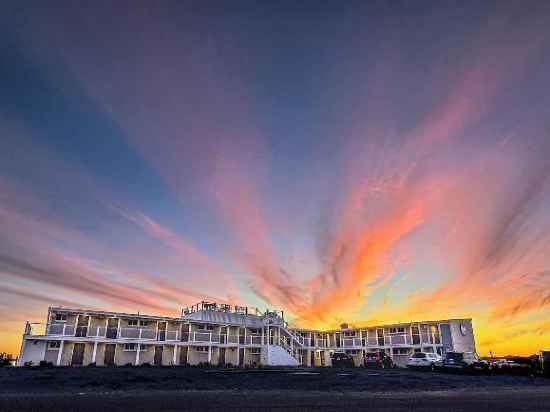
219 334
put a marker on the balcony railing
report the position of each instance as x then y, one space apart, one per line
63 329
206 337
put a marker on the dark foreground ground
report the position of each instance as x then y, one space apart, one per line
175 389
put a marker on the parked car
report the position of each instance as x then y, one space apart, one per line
342 360
423 360
378 360
463 361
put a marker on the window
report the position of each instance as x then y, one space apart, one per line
400 351
254 351
132 322
201 348
205 327
54 345
143 323
130 346
397 330
61 317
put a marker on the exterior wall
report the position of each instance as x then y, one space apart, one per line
328 359
88 350
252 359
123 357
146 354
97 324
231 356
462 343
172 328
33 351
215 355
67 353
100 355
195 357
51 355
168 355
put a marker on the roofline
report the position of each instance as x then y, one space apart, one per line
384 325
112 314
184 320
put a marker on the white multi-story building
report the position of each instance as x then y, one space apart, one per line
224 335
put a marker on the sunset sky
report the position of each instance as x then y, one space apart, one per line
368 162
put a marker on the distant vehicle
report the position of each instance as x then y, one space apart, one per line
423 360
378 360
501 363
518 365
342 360
464 361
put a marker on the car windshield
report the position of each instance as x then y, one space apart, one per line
419 355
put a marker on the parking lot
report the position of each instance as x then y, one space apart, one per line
179 388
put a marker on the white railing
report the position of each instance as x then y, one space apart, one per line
211 337
398 339
288 337
63 329
351 342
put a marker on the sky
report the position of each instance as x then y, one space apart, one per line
361 162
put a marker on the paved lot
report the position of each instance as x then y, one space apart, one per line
140 389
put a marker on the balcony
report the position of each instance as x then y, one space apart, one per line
351 342
137 333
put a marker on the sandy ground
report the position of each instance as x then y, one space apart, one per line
179 389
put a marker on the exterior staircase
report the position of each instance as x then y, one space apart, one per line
284 351
276 355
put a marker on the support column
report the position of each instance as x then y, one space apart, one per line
175 357
94 352
137 353
60 353
210 354
76 324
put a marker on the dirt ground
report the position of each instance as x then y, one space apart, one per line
178 388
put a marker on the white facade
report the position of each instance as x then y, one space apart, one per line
208 333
